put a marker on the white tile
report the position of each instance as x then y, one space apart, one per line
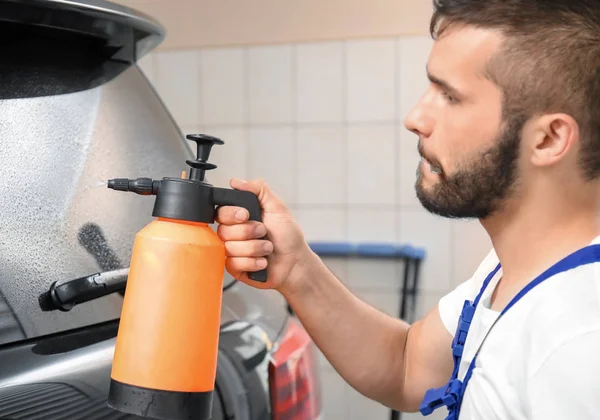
371 274
360 407
439 414
320 82
271 157
321 169
370 67
372 225
425 302
148 64
408 161
371 160
270 84
433 233
178 84
470 245
231 158
412 59
333 389
322 224
222 86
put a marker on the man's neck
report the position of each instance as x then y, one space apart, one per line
534 236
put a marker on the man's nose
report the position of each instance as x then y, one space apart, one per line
418 120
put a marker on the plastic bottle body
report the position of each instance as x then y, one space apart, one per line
169 331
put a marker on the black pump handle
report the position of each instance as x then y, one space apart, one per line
249 201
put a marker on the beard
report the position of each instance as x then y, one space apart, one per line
480 187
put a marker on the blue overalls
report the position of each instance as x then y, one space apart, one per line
451 394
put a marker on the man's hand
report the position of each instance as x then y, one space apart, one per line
277 243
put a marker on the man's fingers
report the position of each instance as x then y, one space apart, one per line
238 265
252 186
231 215
242 232
254 248
269 201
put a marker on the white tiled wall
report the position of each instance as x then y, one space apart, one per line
371 76
270 75
323 124
320 150
272 155
320 83
177 78
371 162
222 82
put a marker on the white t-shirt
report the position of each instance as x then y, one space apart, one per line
541 361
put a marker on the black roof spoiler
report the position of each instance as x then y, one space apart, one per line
53 47
131 32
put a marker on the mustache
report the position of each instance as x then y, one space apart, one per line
424 154
435 165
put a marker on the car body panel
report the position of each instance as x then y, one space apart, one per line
72 225
76 111
67 376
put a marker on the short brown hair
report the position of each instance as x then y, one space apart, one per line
550 61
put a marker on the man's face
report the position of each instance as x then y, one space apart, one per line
469 154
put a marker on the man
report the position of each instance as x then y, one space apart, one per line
509 132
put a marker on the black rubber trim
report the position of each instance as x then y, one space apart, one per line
159 404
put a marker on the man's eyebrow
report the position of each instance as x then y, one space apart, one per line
442 83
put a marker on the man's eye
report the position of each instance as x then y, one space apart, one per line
448 97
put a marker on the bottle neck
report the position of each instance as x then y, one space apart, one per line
183 222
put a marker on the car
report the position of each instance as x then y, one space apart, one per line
76 111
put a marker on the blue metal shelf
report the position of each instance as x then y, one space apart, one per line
411 255
367 249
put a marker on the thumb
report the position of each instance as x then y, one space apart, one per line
269 201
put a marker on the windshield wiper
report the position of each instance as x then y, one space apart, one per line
64 295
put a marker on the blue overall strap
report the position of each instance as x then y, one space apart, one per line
464 323
448 394
587 255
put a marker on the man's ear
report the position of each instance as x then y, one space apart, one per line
552 138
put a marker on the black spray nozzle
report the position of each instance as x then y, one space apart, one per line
193 199
200 165
141 186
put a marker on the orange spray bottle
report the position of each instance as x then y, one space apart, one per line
165 357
